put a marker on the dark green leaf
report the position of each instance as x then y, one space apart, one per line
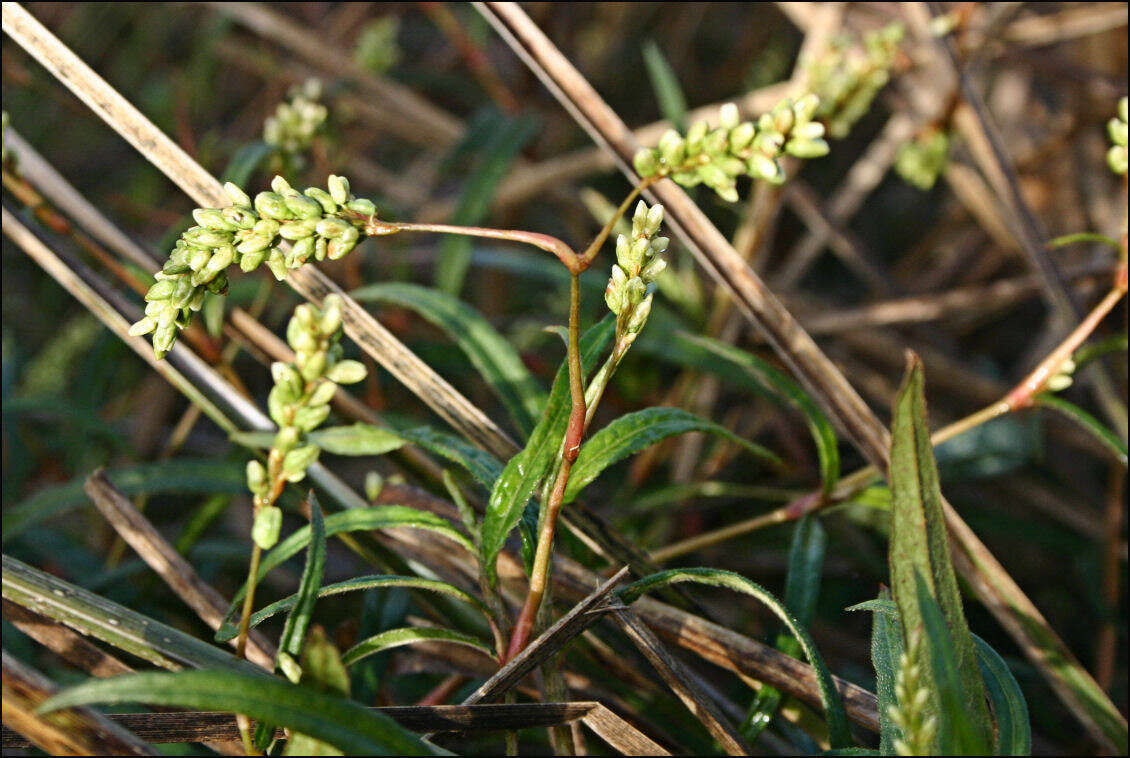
489 352
113 624
522 473
1116 343
502 147
294 631
1010 709
340 722
228 629
1088 422
919 545
637 431
179 475
829 696
961 731
747 370
665 83
354 520
408 636
802 584
246 160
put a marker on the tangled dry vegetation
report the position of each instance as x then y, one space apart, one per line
540 433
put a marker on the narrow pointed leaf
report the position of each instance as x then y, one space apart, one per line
294 632
637 431
355 520
409 636
1085 420
1010 709
357 439
342 723
180 475
522 473
746 370
960 730
228 629
829 696
489 352
802 585
919 545
665 83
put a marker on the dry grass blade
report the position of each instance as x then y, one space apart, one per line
139 534
579 617
681 682
995 588
197 726
75 731
64 642
73 648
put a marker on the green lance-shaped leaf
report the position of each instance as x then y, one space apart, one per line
503 142
246 160
489 352
409 636
365 439
637 431
829 695
522 473
357 439
228 630
1089 423
342 723
960 731
919 545
802 585
1014 730
886 649
665 83
352 520
748 371
180 475
294 631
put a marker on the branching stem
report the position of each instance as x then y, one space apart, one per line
1021 396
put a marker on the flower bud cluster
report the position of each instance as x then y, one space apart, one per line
847 78
318 224
637 266
922 160
297 121
299 403
1116 157
911 714
716 157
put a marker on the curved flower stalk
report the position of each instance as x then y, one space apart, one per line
317 223
298 403
716 157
